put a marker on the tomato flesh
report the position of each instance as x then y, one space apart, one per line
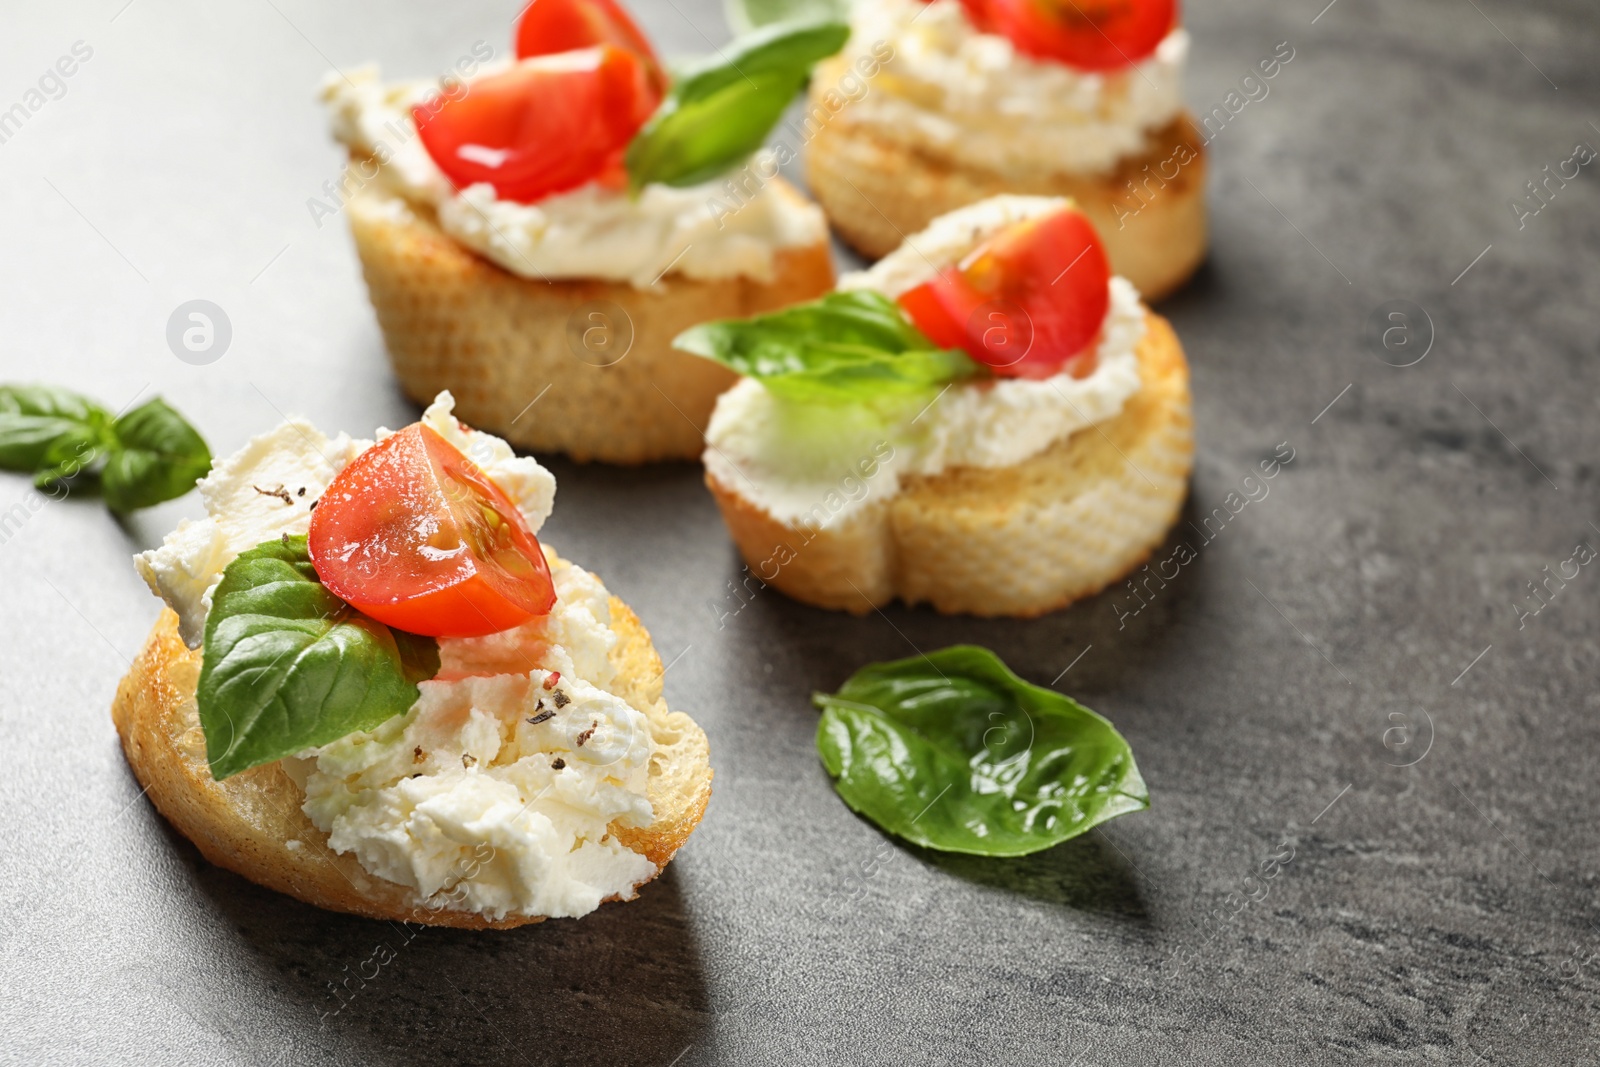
547 125
416 535
550 26
1026 302
1092 35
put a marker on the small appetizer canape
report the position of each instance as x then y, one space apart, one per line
553 222
935 105
987 420
374 690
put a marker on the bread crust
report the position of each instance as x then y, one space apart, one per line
453 320
876 192
245 823
1013 541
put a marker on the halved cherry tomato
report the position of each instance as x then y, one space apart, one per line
549 26
1095 35
1025 302
414 534
545 126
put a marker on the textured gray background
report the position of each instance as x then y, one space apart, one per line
1439 913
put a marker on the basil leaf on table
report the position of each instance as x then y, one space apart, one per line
848 346
74 452
157 456
721 110
40 425
142 458
954 752
288 666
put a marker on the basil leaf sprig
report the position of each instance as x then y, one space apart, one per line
721 110
288 666
42 427
852 346
746 15
954 752
141 458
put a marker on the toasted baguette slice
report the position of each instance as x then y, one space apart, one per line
247 822
1016 541
876 192
453 320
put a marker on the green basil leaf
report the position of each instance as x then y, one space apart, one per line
288 666
697 141
70 455
954 752
34 419
746 15
721 110
149 454
419 655
156 456
851 346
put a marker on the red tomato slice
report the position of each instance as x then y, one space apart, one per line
545 126
549 26
1095 35
414 534
1025 302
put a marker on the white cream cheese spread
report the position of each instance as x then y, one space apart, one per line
805 466
462 799
589 232
971 98
469 803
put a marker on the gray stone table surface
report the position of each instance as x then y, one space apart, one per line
1350 675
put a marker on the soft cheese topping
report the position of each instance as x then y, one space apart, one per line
474 804
590 232
815 471
971 98
462 799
